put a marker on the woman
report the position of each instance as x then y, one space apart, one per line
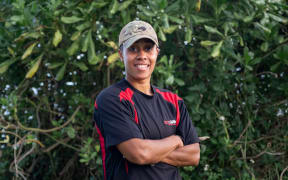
145 132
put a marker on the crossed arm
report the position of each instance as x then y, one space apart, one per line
169 150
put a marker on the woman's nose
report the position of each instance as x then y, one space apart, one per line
141 54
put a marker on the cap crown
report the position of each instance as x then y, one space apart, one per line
136 30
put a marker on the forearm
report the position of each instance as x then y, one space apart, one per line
146 151
184 156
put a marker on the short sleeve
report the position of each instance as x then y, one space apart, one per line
114 118
185 127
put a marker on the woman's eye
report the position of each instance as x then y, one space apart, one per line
148 48
132 49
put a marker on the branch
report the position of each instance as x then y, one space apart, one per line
257 140
45 130
63 143
36 141
273 50
281 102
68 165
26 154
204 138
56 144
250 172
268 72
260 154
43 109
12 133
282 173
242 133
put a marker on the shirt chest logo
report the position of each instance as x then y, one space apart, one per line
170 122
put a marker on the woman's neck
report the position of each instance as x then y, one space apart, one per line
143 86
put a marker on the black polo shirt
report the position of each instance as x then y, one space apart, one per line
122 112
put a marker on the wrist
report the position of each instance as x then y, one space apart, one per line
180 141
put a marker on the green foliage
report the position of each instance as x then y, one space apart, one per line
227 59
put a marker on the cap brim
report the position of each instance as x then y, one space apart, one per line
131 40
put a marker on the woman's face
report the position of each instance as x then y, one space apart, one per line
139 60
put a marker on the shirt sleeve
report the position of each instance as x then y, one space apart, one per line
115 120
185 127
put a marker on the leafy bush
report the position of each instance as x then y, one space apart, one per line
227 59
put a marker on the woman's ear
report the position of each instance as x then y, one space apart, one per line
120 54
158 51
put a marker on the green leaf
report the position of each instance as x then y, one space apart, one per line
17 19
98 5
161 35
170 30
198 87
255 61
97 148
73 48
241 41
115 7
34 35
61 73
249 68
165 21
112 44
226 26
278 18
34 68
282 54
28 50
83 160
207 43
80 65
11 51
248 19
199 19
180 82
264 46
263 28
164 59
57 38
92 58
191 98
161 4
85 43
175 20
274 67
71 19
3 69
198 5
246 55
124 5
212 30
55 123
83 26
71 132
188 36
216 49
170 80
146 11
55 65
31 136
75 35
238 16
5 65
113 57
173 7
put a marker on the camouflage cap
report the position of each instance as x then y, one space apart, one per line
136 30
